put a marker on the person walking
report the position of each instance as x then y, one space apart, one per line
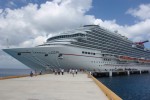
70 71
59 71
76 71
40 72
31 74
73 72
55 71
62 71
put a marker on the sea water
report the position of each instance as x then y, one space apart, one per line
14 72
134 87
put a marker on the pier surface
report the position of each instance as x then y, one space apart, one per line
51 87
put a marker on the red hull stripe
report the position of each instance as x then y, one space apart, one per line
81 55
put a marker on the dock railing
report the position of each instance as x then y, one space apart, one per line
110 94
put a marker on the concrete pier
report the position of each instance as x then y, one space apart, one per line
119 73
51 87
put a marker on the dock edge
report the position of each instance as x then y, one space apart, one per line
110 94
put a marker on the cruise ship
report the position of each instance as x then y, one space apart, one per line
90 47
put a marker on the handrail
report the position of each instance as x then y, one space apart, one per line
110 94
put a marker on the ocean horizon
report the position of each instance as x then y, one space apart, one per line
4 72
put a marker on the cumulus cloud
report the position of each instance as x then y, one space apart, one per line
141 12
140 30
35 20
32 24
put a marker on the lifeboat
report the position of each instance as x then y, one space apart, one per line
143 61
127 58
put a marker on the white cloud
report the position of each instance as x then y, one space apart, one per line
140 30
30 25
51 17
142 12
32 42
1 10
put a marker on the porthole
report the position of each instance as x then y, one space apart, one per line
46 54
19 53
60 55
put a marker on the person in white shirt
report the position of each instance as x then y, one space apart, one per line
73 72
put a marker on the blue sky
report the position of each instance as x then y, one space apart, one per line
115 9
104 9
27 23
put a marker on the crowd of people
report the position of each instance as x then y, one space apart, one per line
61 71
35 73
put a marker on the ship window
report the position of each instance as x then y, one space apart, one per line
19 53
60 55
88 52
93 53
46 54
83 52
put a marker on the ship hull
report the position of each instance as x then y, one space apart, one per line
67 57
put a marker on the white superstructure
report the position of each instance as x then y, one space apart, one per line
90 47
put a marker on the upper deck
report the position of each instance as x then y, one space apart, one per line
99 38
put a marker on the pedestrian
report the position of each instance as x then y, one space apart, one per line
90 73
76 71
62 71
59 72
70 71
40 72
73 72
55 71
31 74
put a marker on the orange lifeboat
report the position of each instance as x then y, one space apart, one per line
127 58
